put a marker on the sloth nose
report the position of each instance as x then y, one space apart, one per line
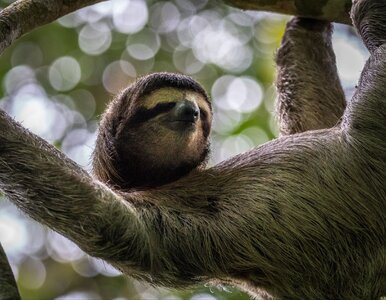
186 111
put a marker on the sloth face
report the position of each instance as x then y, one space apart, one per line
171 126
177 110
154 132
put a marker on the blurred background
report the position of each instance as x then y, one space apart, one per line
58 79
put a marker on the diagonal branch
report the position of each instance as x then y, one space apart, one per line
23 16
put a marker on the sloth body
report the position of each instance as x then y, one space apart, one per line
300 217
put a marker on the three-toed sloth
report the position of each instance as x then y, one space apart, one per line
300 217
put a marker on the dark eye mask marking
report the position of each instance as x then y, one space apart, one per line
143 114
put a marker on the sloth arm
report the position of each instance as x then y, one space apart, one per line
310 95
187 223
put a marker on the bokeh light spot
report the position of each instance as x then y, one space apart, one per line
32 273
242 94
165 17
221 44
84 267
104 268
118 75
232 145
13 234
62 249
94 39
350 60
129 16
18 77
143 46
64 73
78 145
84 102
27 53
255 134
186 63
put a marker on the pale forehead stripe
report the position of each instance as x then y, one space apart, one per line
173 95
166 94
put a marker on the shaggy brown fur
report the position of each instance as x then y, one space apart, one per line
301 217
310 94
140 143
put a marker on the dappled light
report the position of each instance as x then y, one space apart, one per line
64 73
94 39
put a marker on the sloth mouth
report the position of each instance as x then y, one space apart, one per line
192 122
178 124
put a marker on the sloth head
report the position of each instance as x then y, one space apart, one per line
154 132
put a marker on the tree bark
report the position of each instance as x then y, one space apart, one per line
23 16
329 10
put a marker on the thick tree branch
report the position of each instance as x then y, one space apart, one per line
330 10
23 16
8 288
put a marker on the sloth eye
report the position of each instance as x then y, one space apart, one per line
166 106
143 114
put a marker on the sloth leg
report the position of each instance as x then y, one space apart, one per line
366 114
310 95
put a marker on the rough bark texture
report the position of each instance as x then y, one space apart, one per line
23 16
8 289
330 10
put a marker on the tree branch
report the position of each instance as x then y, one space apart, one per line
23 16
330 10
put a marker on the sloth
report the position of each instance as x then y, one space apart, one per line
153 132
300 217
